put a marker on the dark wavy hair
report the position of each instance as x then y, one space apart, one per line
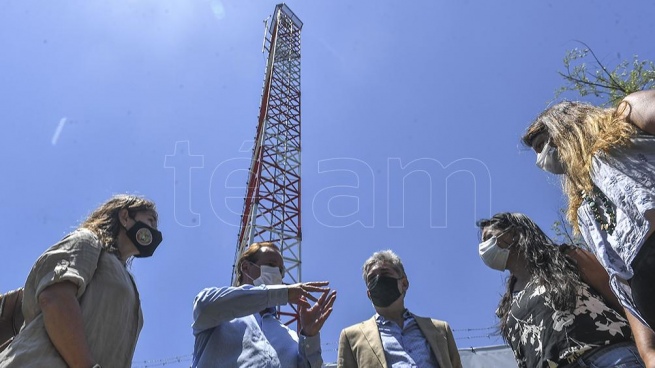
547 264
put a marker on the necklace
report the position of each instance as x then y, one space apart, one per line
605 216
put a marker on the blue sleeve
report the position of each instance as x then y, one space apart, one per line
213 306
309 350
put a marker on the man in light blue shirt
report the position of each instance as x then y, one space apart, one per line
237 326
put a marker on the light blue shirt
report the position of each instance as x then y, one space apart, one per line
627 177
406 347
231 332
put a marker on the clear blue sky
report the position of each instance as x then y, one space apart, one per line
391 91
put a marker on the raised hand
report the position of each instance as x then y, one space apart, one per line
299 293
312 318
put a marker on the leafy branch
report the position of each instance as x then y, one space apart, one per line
564 233
596 79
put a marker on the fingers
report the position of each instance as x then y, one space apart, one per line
324 316
305 289
325 303
321 300
312 319
302 303
315 286
317 283
300 294
330 301
309 296
326 300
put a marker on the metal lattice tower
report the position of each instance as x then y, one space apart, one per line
271 210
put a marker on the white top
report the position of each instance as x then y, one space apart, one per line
627 178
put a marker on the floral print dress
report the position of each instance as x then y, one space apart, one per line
542 336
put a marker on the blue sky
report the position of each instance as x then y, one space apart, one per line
411 114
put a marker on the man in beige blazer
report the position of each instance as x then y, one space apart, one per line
394 336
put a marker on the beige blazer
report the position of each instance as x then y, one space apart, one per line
360 345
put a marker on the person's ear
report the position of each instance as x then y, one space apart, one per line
245 265
243 268
123 215
405 284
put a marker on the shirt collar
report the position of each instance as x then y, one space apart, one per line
383 321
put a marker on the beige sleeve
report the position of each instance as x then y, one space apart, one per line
74 259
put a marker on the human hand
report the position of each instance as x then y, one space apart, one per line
299 293
312 319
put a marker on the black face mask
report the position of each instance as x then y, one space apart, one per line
384 290
145 239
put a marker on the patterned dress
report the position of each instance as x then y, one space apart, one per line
542 336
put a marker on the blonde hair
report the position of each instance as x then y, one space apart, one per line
579 130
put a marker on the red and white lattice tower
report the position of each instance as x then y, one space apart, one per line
271 210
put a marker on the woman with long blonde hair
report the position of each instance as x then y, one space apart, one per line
607 160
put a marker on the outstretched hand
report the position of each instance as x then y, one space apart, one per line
313 318
299 293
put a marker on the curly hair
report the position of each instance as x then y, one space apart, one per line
544 261
104 221
579 130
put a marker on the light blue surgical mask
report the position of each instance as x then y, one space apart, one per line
268 275
492 255
548 160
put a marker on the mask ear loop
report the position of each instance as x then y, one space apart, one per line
245 274
505 232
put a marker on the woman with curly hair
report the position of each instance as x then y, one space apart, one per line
558 309
80 302
607 161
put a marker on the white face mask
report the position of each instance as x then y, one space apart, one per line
548 159
268 275
492 255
